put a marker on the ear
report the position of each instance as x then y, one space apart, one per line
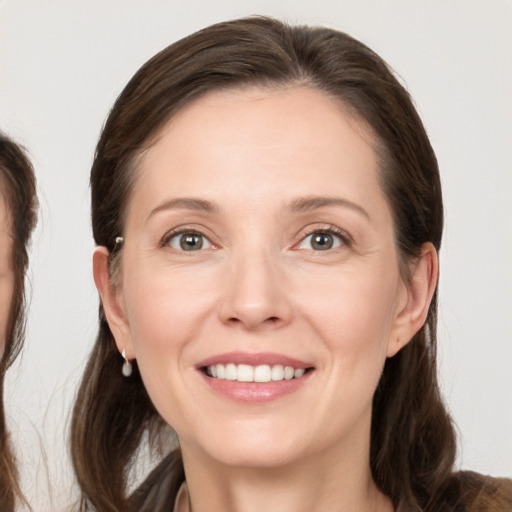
418 293
112 301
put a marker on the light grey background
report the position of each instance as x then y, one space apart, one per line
62 64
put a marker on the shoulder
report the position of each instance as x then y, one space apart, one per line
481 493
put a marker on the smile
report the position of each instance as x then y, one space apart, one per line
254 377
247 373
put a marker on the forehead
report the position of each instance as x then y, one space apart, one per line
259 130
301 103
255 152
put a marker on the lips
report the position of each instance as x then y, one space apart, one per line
254 378
261 358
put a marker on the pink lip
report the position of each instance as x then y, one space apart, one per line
257 359
254 392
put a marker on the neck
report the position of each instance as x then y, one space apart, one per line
328 482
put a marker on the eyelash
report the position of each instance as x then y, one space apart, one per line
343 236
165 242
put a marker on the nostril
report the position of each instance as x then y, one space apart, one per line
271 320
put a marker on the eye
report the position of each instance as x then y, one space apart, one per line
321 241
189 241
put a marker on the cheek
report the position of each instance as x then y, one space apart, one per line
166 313
354 310
166 310
353 317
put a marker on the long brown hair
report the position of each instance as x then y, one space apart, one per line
412 439
18 189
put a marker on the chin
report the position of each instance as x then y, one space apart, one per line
252 456
248 448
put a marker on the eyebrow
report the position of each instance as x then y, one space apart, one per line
303 204
306 204
187 203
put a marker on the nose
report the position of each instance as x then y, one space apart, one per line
255 293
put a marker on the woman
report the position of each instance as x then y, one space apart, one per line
18 206
268 215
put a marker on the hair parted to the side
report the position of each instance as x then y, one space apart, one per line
18 189
412 438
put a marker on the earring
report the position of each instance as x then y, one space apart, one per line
127 366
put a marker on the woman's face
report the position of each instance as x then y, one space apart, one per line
257 238
6 273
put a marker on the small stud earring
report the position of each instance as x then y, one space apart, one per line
127 366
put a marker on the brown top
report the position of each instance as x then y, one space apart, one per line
480 493
471 492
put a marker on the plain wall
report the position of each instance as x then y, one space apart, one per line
63 63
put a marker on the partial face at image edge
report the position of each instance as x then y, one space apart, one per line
6 271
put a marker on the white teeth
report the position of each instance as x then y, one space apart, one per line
262 373
221 371
278 372
248 373
245 373
231 371
288 372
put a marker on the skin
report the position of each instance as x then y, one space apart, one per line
258 285
6 272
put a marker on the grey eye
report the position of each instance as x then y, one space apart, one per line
321 241
189 242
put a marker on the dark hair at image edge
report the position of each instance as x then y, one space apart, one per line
18 190
412 438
